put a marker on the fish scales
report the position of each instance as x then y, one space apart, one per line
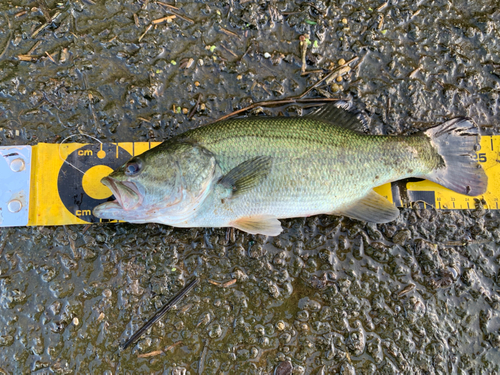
317 167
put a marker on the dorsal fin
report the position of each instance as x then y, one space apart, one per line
341 114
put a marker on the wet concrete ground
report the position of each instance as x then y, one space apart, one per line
330 295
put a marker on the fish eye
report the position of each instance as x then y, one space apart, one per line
132 168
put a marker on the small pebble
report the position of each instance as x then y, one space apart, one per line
76 321
267 55
341 62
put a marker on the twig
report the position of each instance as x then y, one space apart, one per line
303 50
415 14
170 8
201 364
298 99
167 5
333 74
9 38
228 50
173 345
414 73
228 283
150 354
181 16
145 32
43 7
382 7
26 57
274 102
160 313
246 52
37 31
164 19
228 32
35 46
311 72
50 57
193 110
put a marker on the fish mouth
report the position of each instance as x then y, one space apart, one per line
126 193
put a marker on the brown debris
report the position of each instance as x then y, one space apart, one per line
173 345
50 57
145 32
164 19
229 283
167 5
26 57
303 50
230 33
150 354
171 8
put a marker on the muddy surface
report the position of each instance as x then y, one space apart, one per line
330 295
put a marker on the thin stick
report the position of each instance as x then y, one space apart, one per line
164 19
312 71
35 46
275 102
201 364
167 5
159 314
170 8
150 354
332 73
298 99
145 32
181 16
228 50
229 32
9 38
193 110
50 57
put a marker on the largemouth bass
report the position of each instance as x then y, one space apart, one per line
248 173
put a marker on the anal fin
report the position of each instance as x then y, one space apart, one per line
373 208
258 224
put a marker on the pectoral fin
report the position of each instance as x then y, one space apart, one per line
373 208
247 175
258 224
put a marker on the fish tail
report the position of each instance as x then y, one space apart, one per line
456 141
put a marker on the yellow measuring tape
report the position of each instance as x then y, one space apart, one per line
59 184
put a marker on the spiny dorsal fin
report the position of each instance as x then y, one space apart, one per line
341 114
373 208
258 224
247 175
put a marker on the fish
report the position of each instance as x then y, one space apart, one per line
249 173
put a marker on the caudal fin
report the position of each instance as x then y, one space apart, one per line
456 141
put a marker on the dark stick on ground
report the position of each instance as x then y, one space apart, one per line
159 314
274 103
296 99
